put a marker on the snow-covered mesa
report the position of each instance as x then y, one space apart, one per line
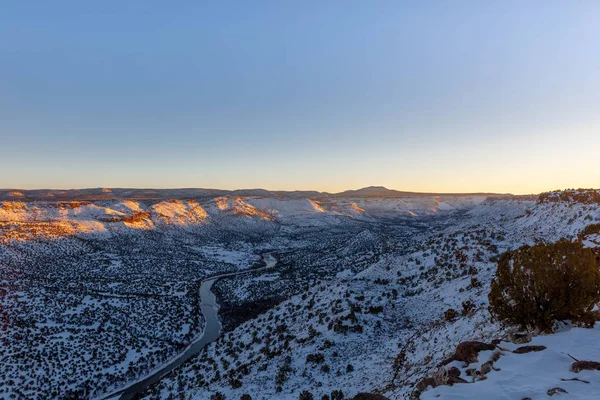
98 216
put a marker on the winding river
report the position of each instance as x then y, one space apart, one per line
212 330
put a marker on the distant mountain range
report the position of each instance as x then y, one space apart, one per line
380 191
191 193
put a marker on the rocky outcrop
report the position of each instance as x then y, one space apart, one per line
578 366
468 351
528 349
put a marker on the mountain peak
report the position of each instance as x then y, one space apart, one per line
373 191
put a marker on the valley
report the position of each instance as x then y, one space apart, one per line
114 297
211 331
210 200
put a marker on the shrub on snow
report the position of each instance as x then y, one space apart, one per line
536 285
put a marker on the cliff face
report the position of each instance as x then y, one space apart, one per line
25 220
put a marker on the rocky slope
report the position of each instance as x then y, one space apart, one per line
371 293
385 328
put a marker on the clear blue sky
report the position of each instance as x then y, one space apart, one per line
329 95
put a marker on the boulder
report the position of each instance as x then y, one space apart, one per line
578 366
424 384
454 380
519 337
454 372
528 349
486 368
556 390
468 351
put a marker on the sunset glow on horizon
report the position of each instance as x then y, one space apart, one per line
452 98
299 200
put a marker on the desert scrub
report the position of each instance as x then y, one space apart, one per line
536 285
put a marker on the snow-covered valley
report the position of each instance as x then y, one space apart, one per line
370 294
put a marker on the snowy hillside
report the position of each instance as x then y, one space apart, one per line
22 220
385 328
370 294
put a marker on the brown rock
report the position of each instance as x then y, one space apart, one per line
585 365
424 384
454 372
455 379
519 337
528 349
556 390
486 367
468 351
448 360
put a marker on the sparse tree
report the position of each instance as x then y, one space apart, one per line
536 285
306 395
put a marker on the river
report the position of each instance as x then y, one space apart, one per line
212 330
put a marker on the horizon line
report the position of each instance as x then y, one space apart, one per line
324 192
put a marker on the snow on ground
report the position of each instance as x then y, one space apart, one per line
286 208
533 375
345 331
413 206
237 258
56 219
394 310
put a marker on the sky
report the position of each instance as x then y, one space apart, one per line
437 96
